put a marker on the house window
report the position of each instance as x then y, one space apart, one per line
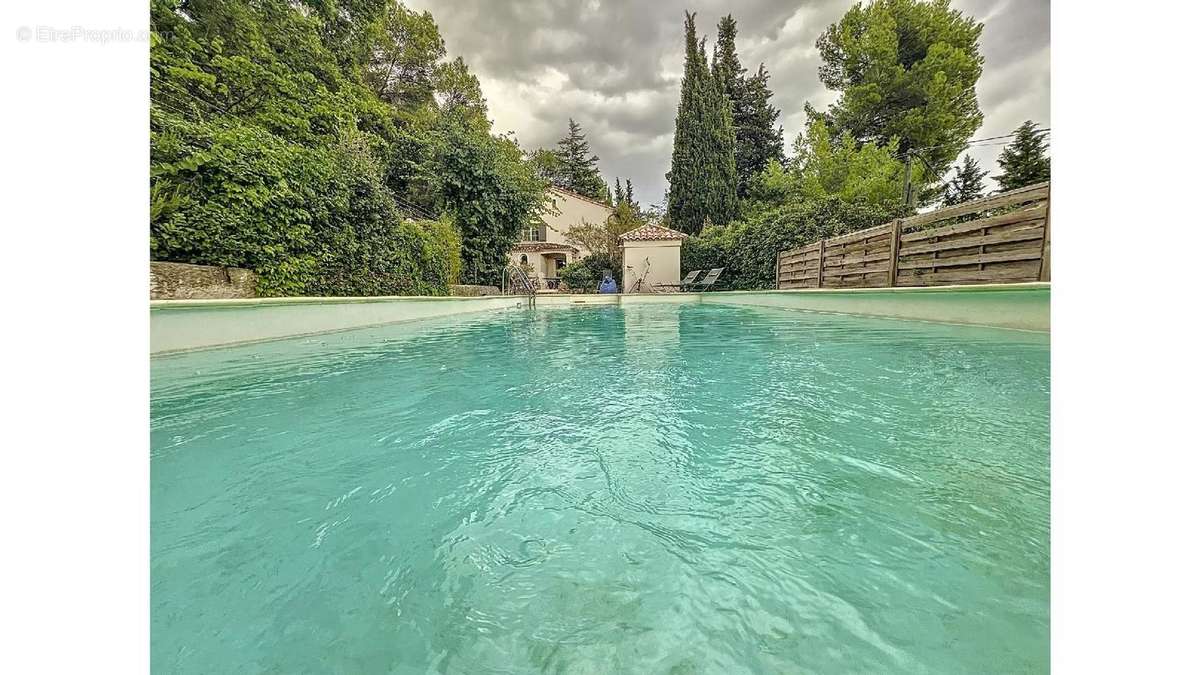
534 233
524 259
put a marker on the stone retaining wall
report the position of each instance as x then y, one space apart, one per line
468 291
182 281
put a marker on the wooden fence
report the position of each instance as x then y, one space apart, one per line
1000 239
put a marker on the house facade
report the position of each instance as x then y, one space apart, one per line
545 248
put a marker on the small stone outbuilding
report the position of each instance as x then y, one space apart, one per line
650 254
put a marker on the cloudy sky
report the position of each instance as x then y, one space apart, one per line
615 65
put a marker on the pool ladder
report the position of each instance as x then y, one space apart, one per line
516 281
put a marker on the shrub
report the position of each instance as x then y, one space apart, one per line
309 221
270 152
583 276
747 249
604 238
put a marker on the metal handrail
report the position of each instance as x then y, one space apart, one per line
516 280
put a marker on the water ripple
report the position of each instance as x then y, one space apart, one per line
648 489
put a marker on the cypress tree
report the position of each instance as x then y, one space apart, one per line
1024 160
967 183
628 192
703 177
620 194
727 68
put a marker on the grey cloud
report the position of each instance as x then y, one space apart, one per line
614 66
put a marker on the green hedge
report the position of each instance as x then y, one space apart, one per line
583 276
308 220
747 249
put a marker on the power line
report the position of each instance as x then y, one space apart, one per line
974 141
163 104
1045 130
414 208
978 143
174 90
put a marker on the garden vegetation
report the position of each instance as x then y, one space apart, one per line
328 145
905 72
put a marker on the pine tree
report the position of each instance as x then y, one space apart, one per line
760 140
579 172
967 183
906 69
1024 160
703 177
757 139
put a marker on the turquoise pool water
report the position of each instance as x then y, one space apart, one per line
653 488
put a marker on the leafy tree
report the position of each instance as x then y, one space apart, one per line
491 194
770 188
967 183
316 142
757 138
1024 160
906 69
840 167
349 29
578 170
403 66
547 165
703 177
603 237
456 87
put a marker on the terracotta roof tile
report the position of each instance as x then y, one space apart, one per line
651 232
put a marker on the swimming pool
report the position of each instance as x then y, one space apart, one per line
652 488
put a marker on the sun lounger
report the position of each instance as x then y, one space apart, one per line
683 284
710 279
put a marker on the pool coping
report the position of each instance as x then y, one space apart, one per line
613 297
193 324
315 300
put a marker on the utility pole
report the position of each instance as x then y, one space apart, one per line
908 189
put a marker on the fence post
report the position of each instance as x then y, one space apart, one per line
821 263
894 264
1044 265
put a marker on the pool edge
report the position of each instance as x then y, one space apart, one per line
186 325
1024 306
178 326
